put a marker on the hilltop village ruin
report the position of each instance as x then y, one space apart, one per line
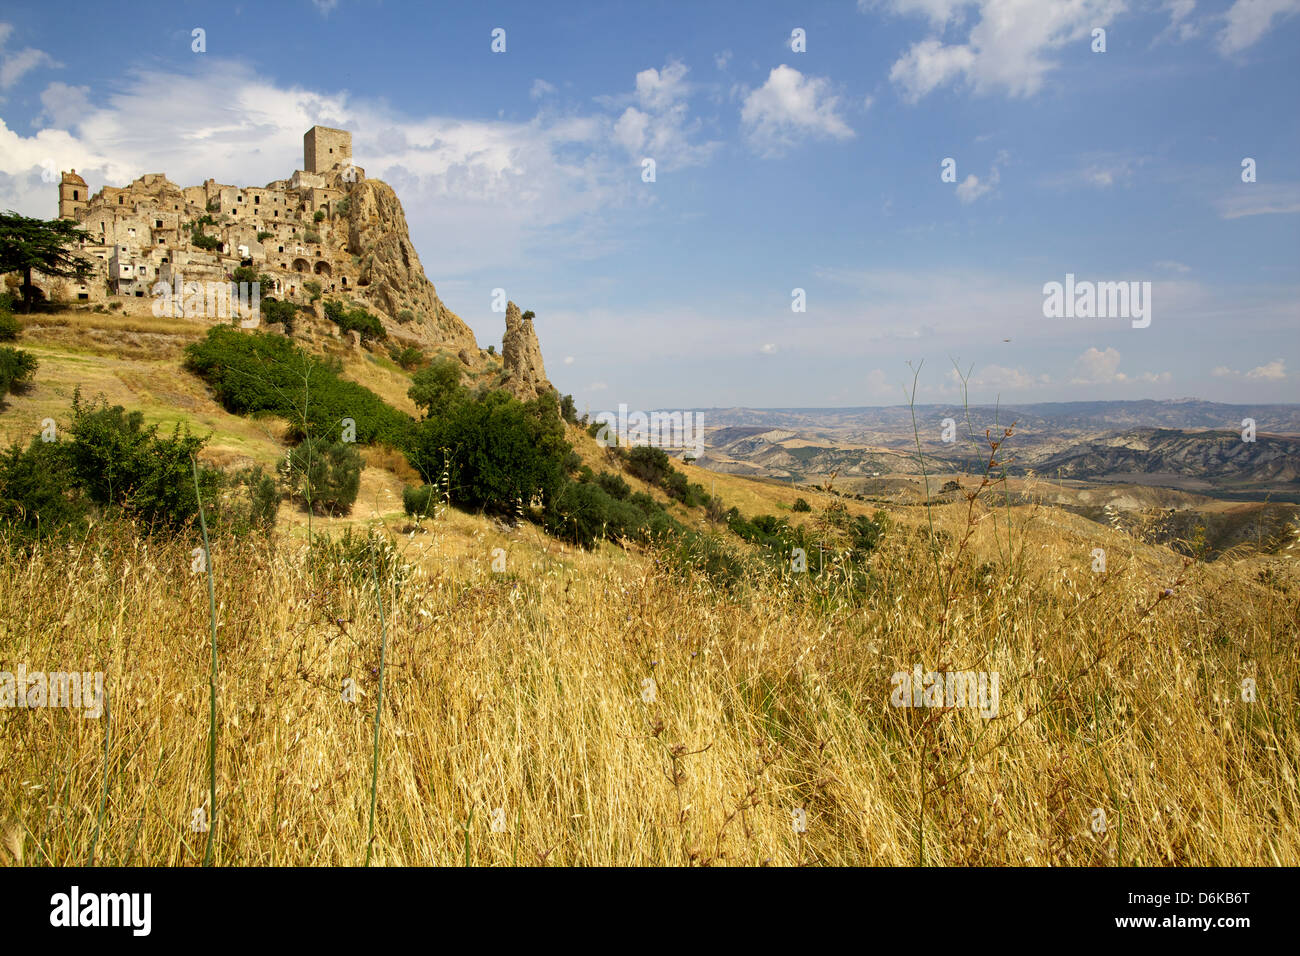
327 225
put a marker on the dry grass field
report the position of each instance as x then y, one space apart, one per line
613 707
517 727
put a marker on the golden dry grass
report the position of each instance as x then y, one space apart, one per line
523 691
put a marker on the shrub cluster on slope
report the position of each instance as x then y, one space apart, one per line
260 372
107 463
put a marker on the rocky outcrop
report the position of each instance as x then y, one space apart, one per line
391 275
521 355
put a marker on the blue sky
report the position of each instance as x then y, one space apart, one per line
775 169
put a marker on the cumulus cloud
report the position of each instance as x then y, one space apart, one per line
1248 20
64 105
1000 377
972 187
659 125
790 108
1007 50
1274 371
478 194
1098 367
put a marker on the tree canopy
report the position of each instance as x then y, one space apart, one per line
28 244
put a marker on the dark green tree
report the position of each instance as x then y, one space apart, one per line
436 387
44 246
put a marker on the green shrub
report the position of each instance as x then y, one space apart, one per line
263 236
343 207
123 465
568 410
436 387
9 327
615 486
16 370
692 554
311 235
581 514
276 312
406 316
312 288
257 372
323 475
251 504
359 557
318 216
205 242
800 505
501 453
408 358
359 319
39 493
648 463
419 501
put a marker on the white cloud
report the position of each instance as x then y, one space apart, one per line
5 30
788 109
940 12
1274 371
1098 368
658 126
1249 20
65 105
659 90
720 60
1095 367
568 360
478 194
997 377
541 88
15 66
1169 265
972 187
1181 28
324 7
1258 199
597 387
1006 50
768 349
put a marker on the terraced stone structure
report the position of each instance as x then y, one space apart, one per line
327 223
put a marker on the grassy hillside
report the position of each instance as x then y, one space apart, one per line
519 725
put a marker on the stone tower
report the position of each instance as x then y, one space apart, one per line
323 148
72 195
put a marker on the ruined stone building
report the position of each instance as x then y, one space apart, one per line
327 223
292 229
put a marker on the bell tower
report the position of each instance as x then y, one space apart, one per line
72 195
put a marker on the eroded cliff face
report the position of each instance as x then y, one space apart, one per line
521 354
392 277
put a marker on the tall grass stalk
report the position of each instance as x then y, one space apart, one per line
379 701
212 673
